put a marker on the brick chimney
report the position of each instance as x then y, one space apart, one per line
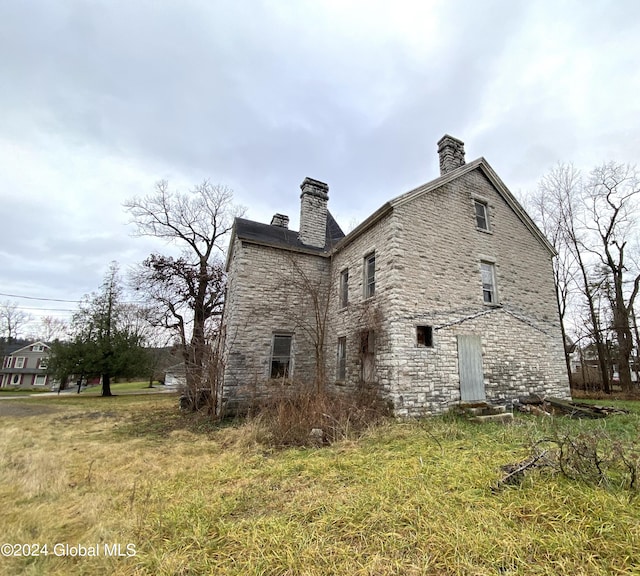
313 213
451 152
280 220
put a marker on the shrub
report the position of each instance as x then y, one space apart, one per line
307 418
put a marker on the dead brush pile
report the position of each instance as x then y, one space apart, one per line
310 419
591 457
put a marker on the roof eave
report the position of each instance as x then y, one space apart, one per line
363 226
288 247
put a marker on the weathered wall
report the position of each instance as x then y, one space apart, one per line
442 287
364 314
428 253
266 295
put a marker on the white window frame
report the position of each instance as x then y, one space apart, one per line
15 377
43 377
43 363
344 288
369 280
288 358
37 348
20 362
490 288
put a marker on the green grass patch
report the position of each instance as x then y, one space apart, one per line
196 497
22 391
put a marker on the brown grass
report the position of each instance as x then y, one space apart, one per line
199 498
290 420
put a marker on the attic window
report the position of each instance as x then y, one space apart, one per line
424 336
482 215
37 348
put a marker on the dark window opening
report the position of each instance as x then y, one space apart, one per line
425 336
367 356
342 358
344 288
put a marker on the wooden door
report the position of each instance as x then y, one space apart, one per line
470 369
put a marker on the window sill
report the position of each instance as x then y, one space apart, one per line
282 381
492 304
484 231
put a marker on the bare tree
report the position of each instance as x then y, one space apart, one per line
12 320
560 210
308 283
188 289
612 194
51 328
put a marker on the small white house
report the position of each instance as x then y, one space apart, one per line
175 376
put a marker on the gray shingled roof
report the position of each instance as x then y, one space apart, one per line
278 236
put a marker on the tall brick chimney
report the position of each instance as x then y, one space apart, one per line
451 152
313 213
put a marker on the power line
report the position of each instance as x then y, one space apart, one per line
46 309
34 298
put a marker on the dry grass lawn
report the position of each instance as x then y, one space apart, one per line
193 498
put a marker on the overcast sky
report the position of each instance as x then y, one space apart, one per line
101 99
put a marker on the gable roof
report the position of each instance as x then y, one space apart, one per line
16 350
479 164
279 237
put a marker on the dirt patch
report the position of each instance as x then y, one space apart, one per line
19 409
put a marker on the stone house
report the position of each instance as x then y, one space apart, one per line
444 295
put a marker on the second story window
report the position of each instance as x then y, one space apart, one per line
20 362
489 294
344 288
482 215
370 275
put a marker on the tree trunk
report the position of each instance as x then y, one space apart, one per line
106 385
623 331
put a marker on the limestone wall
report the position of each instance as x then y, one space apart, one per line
267 295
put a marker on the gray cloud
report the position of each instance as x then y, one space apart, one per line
103 99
